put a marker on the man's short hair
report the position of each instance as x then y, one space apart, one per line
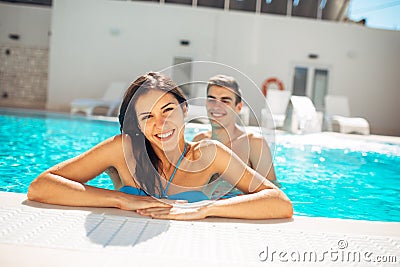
227 82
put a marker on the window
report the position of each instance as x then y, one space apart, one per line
211 3
243 5
182 2
307 9
182 74
147 0
311 81
30 2
300 81
320 86
274 7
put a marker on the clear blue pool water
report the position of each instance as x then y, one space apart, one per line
347 179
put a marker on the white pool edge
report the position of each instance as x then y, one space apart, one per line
21 252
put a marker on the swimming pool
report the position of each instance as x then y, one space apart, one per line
349 179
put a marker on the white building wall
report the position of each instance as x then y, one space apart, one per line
363 62
24 60
31 23
94 42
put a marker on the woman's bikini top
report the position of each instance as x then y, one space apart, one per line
190 196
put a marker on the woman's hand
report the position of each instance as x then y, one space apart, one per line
175 213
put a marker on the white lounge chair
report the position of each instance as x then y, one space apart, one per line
302 117
278 101
111 100
337 112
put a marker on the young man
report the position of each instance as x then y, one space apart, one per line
224 103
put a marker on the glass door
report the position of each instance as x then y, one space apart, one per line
300 81
182 74
320 88
312 82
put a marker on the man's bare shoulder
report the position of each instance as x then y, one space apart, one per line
201 136
257 142
250 137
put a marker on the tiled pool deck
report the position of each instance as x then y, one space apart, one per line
35 234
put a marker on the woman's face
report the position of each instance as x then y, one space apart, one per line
160 118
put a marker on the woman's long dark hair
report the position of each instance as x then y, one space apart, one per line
147 163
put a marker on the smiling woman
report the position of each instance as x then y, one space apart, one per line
157 169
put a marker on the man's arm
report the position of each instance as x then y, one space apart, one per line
200 136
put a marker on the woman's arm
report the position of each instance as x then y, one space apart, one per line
64 183
262 201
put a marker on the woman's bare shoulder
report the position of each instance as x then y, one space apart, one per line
203 149
210 147
109 151
112 143
118 141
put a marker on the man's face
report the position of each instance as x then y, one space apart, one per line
221 107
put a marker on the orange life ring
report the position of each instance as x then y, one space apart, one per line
269 81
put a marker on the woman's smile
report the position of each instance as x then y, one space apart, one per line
165 136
